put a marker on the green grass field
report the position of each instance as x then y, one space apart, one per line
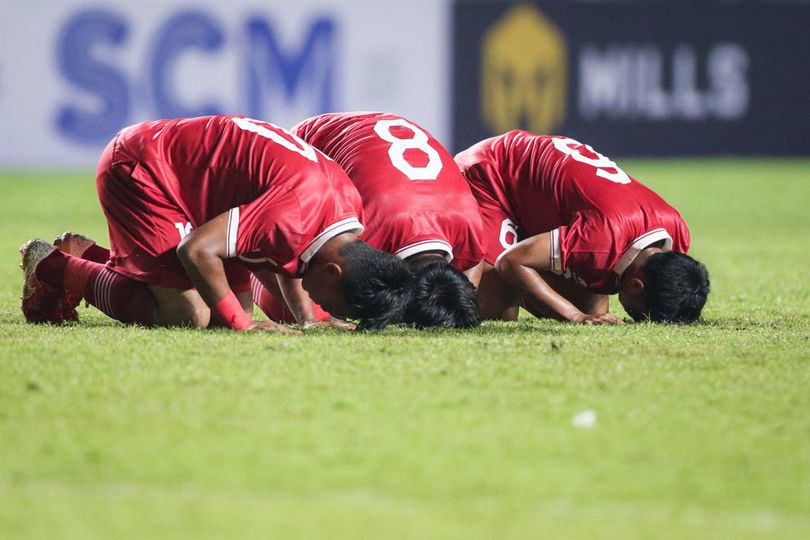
702 431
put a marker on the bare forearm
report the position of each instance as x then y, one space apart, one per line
474 274
539 298
523 266
202 253
207 273
297 299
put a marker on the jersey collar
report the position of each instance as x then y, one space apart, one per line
639 244
426 245
344 225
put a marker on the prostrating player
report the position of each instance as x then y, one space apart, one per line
417 205
192 206
565 226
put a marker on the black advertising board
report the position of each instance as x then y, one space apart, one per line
651 78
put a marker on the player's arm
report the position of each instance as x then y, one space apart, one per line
269 280
300 305
474 274
297 299
202 253
522 266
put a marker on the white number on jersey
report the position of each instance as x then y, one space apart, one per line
183 229
294 143
605 168
418 141
509 235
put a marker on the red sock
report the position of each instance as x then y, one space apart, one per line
120 297
96 253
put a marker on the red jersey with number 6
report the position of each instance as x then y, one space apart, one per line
159 180
414 197
599 217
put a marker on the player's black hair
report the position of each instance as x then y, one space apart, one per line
377 285
442 296
676 286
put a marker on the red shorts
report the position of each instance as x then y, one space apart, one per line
145 226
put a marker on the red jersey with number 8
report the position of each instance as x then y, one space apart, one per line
599 217
159 180
414 197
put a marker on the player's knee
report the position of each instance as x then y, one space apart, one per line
497 301
181 308
197 318
186 315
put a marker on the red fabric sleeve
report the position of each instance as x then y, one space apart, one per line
584 251
469 246
270 229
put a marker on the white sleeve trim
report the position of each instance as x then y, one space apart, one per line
233 228
340 227
426 245
556 252
554 248
257 260
639 244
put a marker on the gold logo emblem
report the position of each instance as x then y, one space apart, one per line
523 82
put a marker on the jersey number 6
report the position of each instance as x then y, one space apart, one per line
605 167
418 141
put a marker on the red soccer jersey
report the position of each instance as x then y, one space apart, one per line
414 197
599 217
285 199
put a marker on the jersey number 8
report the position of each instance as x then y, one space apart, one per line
418 141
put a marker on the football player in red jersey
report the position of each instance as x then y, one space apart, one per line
193 206
565 227
416 203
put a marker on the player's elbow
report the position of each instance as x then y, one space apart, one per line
185 249
507 262
191 250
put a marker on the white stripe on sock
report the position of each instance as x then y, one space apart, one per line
97 289
104 282
255 289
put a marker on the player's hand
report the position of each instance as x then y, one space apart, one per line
605 318
270 326
330 322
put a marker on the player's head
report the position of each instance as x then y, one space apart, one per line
359 282
667 287
442 296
